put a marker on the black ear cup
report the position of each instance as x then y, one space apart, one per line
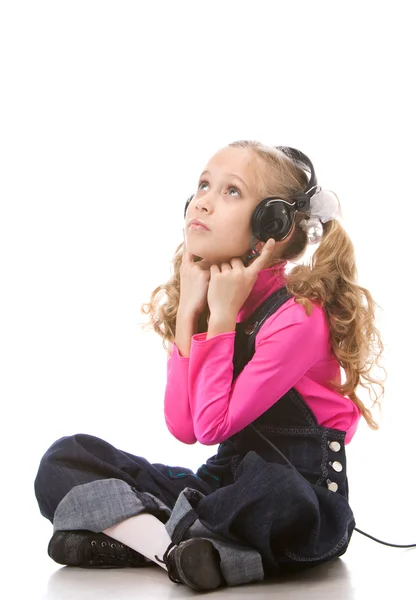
272 218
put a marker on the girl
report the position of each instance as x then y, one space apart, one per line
254 365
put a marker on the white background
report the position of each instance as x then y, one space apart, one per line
109 112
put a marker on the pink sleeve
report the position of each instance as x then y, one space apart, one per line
287 345
178 416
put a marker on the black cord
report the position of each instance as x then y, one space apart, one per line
385 543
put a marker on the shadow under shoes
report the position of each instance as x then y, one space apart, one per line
194 562
83 548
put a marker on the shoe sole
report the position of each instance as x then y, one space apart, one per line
198 564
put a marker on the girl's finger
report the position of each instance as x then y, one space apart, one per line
261 260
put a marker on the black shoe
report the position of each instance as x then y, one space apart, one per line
195 562
82 548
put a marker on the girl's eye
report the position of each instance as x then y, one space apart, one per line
230 187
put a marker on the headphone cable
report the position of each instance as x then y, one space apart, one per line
385 543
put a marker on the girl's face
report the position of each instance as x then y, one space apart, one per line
226 196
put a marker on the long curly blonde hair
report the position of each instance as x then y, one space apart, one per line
330 280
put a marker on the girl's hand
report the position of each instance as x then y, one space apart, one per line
194 281
230 285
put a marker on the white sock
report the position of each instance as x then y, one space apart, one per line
144 533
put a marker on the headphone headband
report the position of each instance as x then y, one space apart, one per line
302 198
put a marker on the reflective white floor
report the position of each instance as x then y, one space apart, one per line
366 570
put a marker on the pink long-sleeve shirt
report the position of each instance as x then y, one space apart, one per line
202 403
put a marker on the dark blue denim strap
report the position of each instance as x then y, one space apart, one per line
264 311
246 331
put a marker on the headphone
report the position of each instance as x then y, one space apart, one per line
274 217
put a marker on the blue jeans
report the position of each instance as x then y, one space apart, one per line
274 497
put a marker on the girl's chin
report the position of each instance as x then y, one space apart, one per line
213 260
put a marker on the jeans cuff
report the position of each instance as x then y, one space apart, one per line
102 503
239 564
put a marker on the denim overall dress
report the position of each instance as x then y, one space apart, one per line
273 498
